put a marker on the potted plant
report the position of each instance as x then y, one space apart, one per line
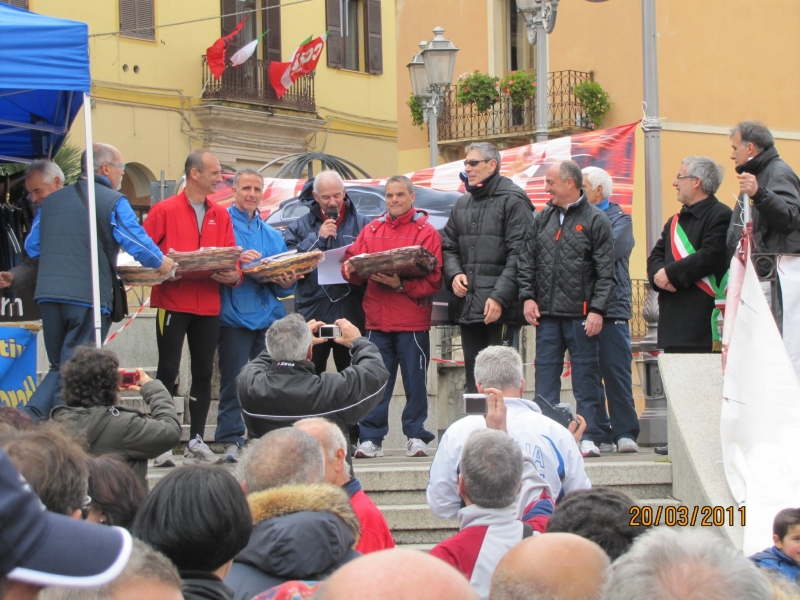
594 101
518 86
478 89
417 114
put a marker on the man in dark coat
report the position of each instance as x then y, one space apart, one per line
480 245
688 266
566 281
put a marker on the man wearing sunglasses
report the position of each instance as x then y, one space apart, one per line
480 245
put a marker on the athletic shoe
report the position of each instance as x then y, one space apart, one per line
165 460
662 450
232 452
197 452
606 448
589 449
368 450
627 445
416 447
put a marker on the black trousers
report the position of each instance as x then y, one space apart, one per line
202 334
341 357
477 336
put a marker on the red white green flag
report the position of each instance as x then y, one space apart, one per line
246 51
304 60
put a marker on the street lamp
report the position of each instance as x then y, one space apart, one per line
431 71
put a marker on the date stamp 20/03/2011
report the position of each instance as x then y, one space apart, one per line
681 516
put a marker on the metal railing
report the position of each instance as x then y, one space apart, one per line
249 82
459 122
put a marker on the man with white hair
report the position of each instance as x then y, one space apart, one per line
59 238
615 336
375 534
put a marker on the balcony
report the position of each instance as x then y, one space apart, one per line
250 83
460 124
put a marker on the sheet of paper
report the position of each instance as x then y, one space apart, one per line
329 271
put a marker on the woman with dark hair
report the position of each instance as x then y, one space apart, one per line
199 518
91 384
115 491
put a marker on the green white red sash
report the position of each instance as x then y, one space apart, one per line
681 248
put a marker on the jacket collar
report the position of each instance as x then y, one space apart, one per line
102 180
316 215
485 187
413 215
241 216
759 162
700 208
574 206
352 487
477 515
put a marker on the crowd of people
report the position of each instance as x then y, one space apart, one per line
78 520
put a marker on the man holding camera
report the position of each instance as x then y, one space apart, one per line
398 315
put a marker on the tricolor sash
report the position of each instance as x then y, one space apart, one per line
681 248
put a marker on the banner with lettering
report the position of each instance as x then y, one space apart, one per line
17 365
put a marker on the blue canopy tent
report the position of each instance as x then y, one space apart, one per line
44 81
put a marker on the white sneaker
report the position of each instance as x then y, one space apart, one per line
197 452
589 449
416 447
368 450
165 460
627 445
232 453
605 448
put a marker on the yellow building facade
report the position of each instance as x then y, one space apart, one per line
154 100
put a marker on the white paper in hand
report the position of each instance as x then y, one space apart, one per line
329 271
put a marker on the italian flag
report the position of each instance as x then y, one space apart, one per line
246 52
304 60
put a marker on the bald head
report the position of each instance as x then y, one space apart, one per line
334 446
394 574
553 566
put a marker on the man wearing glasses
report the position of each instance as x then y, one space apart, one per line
480 245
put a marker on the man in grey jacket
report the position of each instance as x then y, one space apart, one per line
615 336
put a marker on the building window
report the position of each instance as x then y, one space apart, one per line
136 19
17 3
520 55
235 11
354 35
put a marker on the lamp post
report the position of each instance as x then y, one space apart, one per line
431 71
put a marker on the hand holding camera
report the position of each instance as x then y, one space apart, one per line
132 379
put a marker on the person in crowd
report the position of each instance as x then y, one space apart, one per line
148 574
332 222
692 564
198 517
33 542
282 386
91 380
247 310
42 178
55 467
548 445
491 476
773 188
602 515
59 239
554 566
784 556
116 492
189 308
375 534
481 243
303 528
397 575
566 281
15 419
398 317
615 336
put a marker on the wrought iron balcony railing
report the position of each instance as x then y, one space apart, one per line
459 122
249 82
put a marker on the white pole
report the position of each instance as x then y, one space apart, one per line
87 120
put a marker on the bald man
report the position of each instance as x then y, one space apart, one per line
553 566
397 575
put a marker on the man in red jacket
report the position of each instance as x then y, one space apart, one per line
189 308
398 316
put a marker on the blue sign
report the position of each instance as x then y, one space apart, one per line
17 365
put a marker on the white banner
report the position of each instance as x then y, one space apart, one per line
788 268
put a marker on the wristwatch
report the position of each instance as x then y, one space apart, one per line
401 287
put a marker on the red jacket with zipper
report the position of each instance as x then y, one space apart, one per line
172 224
386 309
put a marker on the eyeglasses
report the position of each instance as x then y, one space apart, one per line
685 177
118 165
475 163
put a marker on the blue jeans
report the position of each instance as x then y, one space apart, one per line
65 327
615 367
236 346
411 351
554 336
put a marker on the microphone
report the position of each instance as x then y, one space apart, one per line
331 214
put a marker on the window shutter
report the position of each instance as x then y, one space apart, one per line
334 25
127 17
135 14
272 21
373 50
16 3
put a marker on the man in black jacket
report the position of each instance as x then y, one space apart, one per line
280 386
615 336
688 266
566 281
480 245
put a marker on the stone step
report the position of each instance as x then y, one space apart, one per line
208 436
420 547
424 537
414 517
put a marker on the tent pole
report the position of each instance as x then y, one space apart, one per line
87 120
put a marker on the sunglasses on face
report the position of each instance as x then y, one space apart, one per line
474 163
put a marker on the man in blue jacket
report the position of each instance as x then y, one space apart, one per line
247 310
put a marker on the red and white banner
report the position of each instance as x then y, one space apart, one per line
304 60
